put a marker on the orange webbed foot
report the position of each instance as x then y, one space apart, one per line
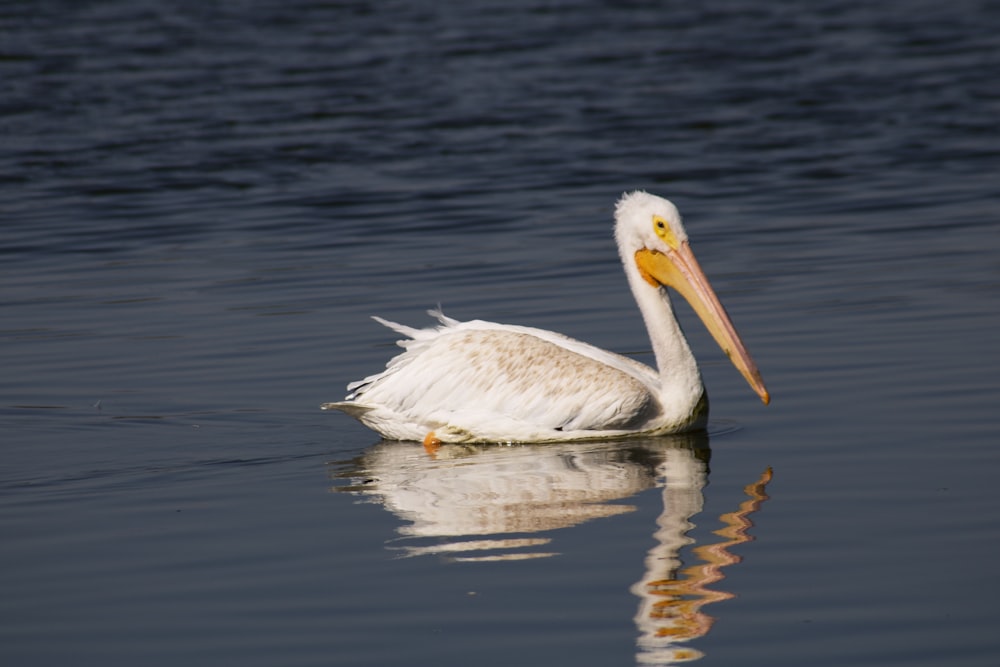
431 443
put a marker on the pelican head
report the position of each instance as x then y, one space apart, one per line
655 251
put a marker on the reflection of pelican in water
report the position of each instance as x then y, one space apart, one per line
489 502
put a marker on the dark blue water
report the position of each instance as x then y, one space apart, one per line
201 204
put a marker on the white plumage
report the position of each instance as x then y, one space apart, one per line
485 382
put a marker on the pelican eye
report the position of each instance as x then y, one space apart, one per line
663 230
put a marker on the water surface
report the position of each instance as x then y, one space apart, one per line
202 204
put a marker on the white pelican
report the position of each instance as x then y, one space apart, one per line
484 382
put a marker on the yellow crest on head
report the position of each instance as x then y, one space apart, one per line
663 230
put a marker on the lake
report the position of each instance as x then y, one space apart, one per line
202 204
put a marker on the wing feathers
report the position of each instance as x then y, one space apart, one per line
463 374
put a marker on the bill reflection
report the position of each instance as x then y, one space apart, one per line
671 595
